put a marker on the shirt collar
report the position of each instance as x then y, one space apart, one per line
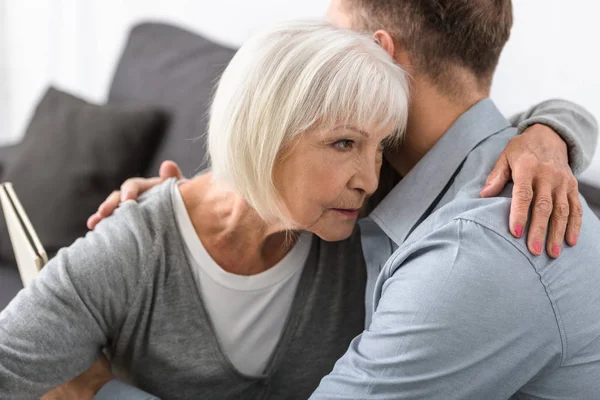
407 204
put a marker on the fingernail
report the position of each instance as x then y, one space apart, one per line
575 239
518 230
485 187
556 250
537 247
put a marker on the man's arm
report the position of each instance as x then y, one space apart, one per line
116 390
98 383
453 322
131 189
575 125
56 327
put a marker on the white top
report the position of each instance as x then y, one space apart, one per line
248 313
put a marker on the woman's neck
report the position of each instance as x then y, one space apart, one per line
232 232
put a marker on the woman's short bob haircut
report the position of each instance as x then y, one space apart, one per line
285 81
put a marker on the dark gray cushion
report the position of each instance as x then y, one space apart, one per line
72 156
591 195
176 70
10 283
6 152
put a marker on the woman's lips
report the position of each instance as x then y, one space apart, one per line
347 212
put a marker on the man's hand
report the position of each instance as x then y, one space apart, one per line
538 163
86 385
131 189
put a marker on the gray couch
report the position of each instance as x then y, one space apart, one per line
591 195
176 70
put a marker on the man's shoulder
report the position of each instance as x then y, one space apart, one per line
466 223
485 220
463 273
467 252
467 242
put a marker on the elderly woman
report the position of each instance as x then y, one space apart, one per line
230 285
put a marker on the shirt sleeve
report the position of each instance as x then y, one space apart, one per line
117 390
464 316
55 329
577 127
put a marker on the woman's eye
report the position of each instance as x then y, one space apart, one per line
344 144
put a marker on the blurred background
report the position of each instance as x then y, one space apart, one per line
75 44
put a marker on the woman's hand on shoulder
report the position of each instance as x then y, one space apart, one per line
544 187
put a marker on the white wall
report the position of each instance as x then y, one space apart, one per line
553 52
75 44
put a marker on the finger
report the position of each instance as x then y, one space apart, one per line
498 178
130 189
540 217
169 169
133 187
110 204
522 196
575 218
558 225
93 221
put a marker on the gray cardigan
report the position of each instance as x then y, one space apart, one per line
128 286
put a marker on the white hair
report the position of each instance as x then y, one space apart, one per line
284 82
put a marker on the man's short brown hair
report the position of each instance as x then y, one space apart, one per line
465 33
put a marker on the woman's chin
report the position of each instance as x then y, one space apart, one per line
336 234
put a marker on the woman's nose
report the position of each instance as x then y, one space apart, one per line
366 178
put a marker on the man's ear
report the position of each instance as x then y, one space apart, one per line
396 50
383 39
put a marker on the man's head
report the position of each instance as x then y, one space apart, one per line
442 41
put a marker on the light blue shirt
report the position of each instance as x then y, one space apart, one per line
461 309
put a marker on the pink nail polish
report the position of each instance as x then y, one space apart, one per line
575 239
537 247
483 190
556 250
518 230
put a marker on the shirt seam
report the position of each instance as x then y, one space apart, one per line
555 310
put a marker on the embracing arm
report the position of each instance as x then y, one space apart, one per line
557 140
451 324
56 328
575 125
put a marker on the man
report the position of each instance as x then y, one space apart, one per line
461 309
449 321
